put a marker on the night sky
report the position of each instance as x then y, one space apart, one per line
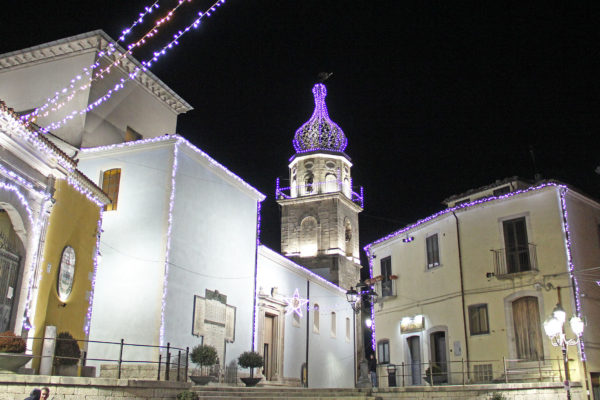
435 97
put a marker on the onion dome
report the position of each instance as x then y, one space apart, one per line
319 132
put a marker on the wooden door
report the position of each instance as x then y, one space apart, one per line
528 332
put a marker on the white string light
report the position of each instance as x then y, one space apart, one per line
145 65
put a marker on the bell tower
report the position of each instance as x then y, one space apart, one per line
319 210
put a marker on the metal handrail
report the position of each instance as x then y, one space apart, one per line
537 371
83 359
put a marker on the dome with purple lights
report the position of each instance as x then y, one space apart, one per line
320 132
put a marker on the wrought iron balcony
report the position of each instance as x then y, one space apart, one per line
515 260
320 188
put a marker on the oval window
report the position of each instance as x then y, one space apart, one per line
330 164
66 273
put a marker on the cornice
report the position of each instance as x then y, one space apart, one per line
94 41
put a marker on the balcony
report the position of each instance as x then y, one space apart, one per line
517 260
320 188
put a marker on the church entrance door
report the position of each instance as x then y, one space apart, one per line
269 345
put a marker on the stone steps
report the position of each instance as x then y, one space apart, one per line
258 393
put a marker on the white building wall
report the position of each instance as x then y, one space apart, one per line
330 358
28 88
128 289
213 244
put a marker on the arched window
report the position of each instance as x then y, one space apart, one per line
348 236
316 318
333 324
347 188
308 237
308 183
331 183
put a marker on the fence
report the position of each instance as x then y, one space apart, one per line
470 372
171 360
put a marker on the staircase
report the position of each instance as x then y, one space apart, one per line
268 393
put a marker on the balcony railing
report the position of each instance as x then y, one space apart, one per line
320 188
514 260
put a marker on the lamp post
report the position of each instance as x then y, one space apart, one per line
354 297
554 328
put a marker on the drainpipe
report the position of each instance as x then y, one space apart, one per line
462 294
307 329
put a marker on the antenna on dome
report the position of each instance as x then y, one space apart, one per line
323 76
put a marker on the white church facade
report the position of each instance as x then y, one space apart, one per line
180 261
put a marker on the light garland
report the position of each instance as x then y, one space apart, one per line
354 197
563 203
88 317
295 303
255 314
319 132
562 190
168 247
111 48
145 65
12 123
100 74
22 181
84 191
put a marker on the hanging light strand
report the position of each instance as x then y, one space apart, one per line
73 88
145 65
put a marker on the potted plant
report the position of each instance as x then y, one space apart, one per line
12 352
203 355
436 372
66 354
250 359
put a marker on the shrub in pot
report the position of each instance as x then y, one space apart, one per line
12 349
66 354
203 355
250 359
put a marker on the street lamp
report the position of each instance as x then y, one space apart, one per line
554 328
352 296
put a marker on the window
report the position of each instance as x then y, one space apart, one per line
131 135
383 351
478 319
110 186
433 251
316 319
483 372
331 184
516 245
333 324
348 330
387 288
308 183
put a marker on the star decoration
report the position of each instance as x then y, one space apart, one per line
295 303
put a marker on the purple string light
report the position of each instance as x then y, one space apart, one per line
568 246
145 65
319 132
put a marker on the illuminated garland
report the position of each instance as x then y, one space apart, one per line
88 71
15 125
568 246
145 65
354 197
168 247
96 261
255 315
22 181
100 74
563 192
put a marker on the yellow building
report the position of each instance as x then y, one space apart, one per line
468 290
50 219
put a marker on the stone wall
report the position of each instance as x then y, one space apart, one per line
71 388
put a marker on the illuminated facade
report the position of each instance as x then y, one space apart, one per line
46 207
319 211
476 281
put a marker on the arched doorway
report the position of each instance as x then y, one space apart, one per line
11 252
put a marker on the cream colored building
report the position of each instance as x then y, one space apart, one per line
469 287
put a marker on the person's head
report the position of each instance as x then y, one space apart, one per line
372 356
45 393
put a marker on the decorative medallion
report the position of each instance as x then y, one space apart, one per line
66 273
